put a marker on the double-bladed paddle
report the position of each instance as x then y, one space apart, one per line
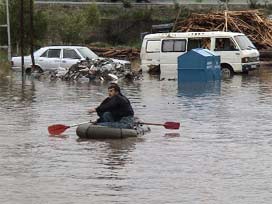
57 129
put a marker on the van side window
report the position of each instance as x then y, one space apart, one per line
204 43
153 46
224 44
173 46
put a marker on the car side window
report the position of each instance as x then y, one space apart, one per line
224 44
45 54
71 54
54 53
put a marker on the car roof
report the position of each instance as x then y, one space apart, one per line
64 46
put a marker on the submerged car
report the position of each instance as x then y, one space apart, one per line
52 58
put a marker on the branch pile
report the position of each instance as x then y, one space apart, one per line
118 53
252 23
103 69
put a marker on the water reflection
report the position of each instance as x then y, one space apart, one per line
219 144
114 157
116 152
196 89
14 91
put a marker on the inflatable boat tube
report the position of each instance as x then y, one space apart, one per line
90 131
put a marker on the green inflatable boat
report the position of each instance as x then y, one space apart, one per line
90 131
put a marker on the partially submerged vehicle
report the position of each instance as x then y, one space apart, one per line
161 50
52 58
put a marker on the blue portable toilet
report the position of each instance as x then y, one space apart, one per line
199 65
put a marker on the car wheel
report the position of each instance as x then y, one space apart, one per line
37 69
28 70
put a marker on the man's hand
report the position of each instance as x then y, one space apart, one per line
93 110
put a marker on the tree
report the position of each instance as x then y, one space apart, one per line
40 24
226 2
92 15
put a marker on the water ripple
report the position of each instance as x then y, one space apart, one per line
221 154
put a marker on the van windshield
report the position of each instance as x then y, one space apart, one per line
244 43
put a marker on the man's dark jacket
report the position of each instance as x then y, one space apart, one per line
118 105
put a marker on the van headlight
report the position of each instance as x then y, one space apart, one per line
245 59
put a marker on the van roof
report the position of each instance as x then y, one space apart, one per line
191 34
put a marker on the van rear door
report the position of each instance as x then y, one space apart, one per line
150 53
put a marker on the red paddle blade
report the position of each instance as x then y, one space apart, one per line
171 125
57 129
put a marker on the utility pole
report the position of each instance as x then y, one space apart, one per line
7 26
31 34
8 30
22 35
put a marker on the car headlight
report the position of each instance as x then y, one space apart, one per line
245 59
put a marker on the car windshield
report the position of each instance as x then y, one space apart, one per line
39 51
87 53
244 43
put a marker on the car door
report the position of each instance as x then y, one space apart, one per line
50 59
69 58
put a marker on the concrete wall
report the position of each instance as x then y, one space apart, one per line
243 2
183 2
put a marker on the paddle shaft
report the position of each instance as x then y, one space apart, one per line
167 125
74 125
158 124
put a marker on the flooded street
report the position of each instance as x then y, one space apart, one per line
221 154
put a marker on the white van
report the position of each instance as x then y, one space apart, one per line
238 54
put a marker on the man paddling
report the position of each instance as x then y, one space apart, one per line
115 110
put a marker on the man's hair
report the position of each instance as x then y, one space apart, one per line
115 87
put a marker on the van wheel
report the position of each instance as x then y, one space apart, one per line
226 72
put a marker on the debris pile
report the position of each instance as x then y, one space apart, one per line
252 23
101 69
118 53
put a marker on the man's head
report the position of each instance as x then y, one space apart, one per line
113 89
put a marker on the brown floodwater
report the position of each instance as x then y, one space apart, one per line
221 154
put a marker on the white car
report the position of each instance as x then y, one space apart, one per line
52 58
